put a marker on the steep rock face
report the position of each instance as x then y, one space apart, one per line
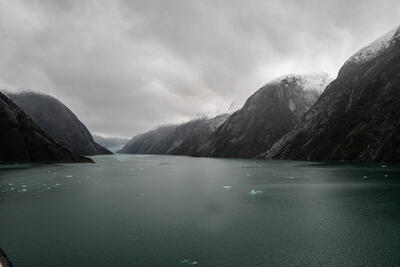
21 140
357 118
59 122
183 139
266 116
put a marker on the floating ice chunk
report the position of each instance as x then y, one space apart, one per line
23 190
227 187
255 192
69 176
365 177
58 184
24 185
248 174
291 177
189 262
386 175
384 166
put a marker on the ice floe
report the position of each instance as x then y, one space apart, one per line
254 192
189 262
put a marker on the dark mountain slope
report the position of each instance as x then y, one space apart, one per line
266 116
59 122
358 117
21 140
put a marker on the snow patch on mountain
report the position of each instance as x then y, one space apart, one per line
375 48
309 82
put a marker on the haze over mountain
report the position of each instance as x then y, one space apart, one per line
113 144
22 140
183 139
58 121
357 118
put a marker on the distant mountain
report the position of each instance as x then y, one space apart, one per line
357 118
197 134
266 116
21 139
182 139
113 144
149 142
59 122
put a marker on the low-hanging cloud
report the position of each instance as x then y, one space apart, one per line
126 66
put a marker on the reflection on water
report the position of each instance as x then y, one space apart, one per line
136 210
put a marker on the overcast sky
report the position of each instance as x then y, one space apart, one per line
124 67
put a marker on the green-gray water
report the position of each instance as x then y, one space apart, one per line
128 210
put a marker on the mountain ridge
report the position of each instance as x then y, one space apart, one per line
267 115
356 118
58 121
22 140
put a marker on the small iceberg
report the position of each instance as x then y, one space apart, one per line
254 192
384 166
189 262
227 187
69 176
365 177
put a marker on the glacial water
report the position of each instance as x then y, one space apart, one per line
129 210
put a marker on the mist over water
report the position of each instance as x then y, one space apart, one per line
134 210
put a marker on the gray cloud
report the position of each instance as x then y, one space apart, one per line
126 66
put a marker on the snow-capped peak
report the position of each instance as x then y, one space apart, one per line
375 48
308 82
